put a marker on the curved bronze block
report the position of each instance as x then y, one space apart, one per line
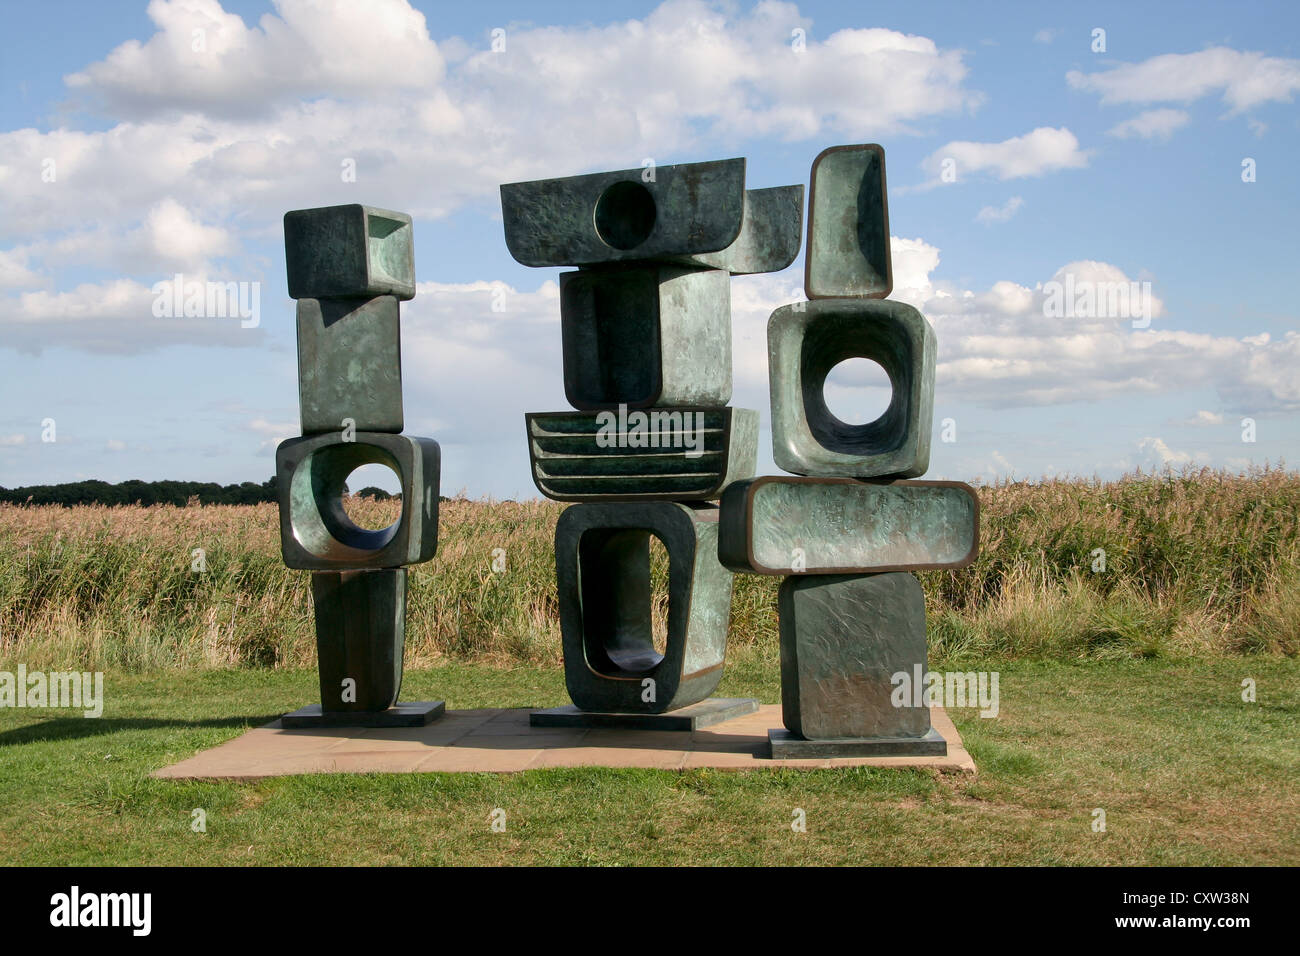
315 532
848 225
620 216
804 342
602 568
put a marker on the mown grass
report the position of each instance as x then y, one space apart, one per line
1185 770
1202 563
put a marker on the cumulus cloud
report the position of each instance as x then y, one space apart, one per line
214 126
1007 347
1038 152
1244 79
1160 455
116 316
203 58
1153 124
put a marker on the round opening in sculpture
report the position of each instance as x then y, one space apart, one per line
367 502
321 523
837 338
625 215
857 391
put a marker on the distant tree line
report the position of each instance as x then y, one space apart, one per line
94 492
179 493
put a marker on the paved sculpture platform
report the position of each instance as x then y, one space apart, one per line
501 741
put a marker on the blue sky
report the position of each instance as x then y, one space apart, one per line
1122 165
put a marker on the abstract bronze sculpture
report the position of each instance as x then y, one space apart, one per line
349 267
647 356
852 616
646 329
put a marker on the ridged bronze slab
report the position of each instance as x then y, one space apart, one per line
591 456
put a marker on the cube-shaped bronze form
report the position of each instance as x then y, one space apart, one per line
350 250
350 364
602 566
316 533
804 342
844 638
848 225
655 335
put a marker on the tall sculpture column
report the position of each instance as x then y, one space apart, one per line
847 536
646 328
349 267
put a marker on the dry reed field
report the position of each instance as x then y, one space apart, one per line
1198 563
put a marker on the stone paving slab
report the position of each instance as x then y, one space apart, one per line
501 741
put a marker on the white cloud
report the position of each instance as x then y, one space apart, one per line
1203 418
992 214
1001 348
1159 454
115 316
1153 124
1040 151
1245 79
114 444
11 440
14 273
203 58
272 433
205 149
1047 34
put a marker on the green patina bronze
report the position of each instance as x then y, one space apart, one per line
646 336
602 561
349 267
349 251
610 456
315 532
808 339
360 635
778 525
843 637
350 364
848 225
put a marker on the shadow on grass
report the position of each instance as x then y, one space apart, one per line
73 728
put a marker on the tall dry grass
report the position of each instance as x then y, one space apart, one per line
1197 563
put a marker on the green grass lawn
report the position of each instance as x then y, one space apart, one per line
1186 772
